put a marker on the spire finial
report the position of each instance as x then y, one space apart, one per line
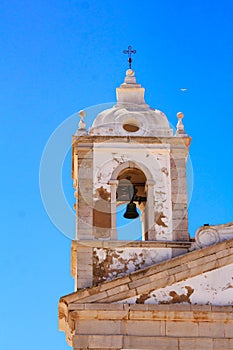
81 125
129 53
180 126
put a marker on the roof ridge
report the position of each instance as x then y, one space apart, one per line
157 275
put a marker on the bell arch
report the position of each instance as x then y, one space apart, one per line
141 180
131 165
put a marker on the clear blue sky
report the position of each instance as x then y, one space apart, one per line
58 57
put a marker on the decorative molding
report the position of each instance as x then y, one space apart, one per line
208 235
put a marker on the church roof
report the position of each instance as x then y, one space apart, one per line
131 115
90 316
157 276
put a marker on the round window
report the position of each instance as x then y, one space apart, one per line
130 126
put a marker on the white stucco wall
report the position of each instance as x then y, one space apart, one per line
213 287
122 261
156 158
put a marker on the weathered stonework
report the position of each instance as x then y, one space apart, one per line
128 137
109 263
211 288
208 235
166 207
118 315
154 327
165 291
108 156
95 262
161 275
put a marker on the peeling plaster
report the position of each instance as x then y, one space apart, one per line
165 171
109 263
175 297
181 298
103 193
213 287
159 219
106 158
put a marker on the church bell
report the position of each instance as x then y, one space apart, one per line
131 211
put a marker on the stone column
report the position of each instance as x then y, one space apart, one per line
113 187
150 215
179 193
84 213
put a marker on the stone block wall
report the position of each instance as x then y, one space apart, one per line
176 327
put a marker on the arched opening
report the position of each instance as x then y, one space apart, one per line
130 189
138 175
130 230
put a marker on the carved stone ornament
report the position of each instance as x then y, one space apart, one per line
206 236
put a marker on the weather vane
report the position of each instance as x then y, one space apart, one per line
129 52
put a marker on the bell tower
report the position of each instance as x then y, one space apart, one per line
142 293
130 156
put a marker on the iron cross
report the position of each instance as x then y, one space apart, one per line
129 52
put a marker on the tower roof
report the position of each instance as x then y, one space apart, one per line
131 115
